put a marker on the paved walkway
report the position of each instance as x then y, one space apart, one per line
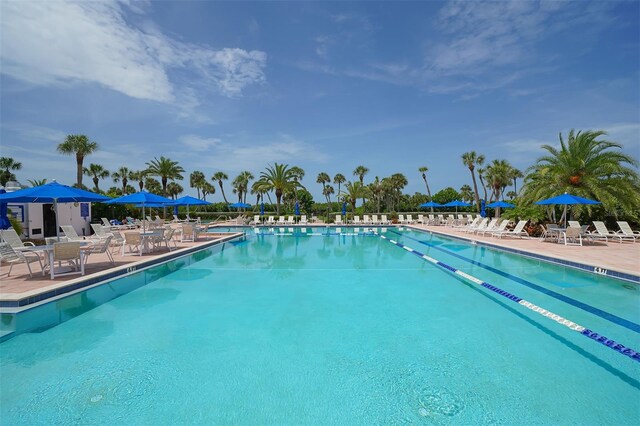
621 257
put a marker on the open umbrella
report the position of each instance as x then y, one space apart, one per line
240 205
501 204
55 193
144 199
456 204
4 220
188 200
566 199
430 204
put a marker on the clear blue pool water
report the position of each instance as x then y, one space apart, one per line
344 329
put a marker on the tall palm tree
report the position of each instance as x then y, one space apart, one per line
280 179
153 185
323 179
7 164
196 179
339 179
174 189
376 190
515 174
241 185
327 191
81 146
360 171
220 176
37 182
398 182
424 170
587 167
123 174
481 174
139 176
165 169
471 160
97 172
498 175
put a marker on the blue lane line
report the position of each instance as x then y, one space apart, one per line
610 343
588 308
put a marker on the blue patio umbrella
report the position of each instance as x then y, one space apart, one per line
55 193
483 211
4 220
144 199
261 209
297 209
456 204
344 209
240 205
431 204
501 204
188 200
566 199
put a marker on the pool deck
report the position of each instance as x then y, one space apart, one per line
612 256
20 287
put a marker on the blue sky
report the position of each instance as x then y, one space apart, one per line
325 86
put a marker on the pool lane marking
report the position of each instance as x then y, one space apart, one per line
585 307
611 344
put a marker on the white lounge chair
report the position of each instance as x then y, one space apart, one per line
12 257
366 220
339 220
626 230
11 237
303 220
100 232
375 220
282 220
518 231
384 220
409 220
271 220
256 219
70 233
602 232
101 246
497 227
291 220
481 226
356 220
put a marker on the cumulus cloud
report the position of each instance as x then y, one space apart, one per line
59 42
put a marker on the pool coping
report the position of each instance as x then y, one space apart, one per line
593 269
9 302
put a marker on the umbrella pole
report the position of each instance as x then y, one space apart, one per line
143 219
55 212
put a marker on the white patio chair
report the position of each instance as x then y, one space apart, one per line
68 252
132 240
101 246
71 233
602 232
339 219
303 220
12 257
11 237
518 231
572 234
626 230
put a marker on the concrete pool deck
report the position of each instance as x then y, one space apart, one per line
612 256
20 288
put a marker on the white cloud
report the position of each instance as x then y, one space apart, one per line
198 143
57 43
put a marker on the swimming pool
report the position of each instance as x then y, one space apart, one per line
332 329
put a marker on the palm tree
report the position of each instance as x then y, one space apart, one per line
81 146
280 179
515 174
424 170
165 169
353 191
207 189
586 167
220 176
323 178
37 182
339 179
139 176
196 179
466 193
153 185
241 185
98 172
123 174
498 175
7 164
174 189
481 174
471 159
360 171
376 190
327 191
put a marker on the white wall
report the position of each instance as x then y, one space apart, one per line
68 214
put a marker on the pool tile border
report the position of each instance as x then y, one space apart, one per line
98 277
593 269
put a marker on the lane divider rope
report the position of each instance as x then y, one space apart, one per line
611 344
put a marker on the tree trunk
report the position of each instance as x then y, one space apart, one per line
164 186
475 188
79 160
95 183
222 190
141 185
278 198
198 189
424 177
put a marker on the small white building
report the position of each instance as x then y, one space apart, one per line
39 220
